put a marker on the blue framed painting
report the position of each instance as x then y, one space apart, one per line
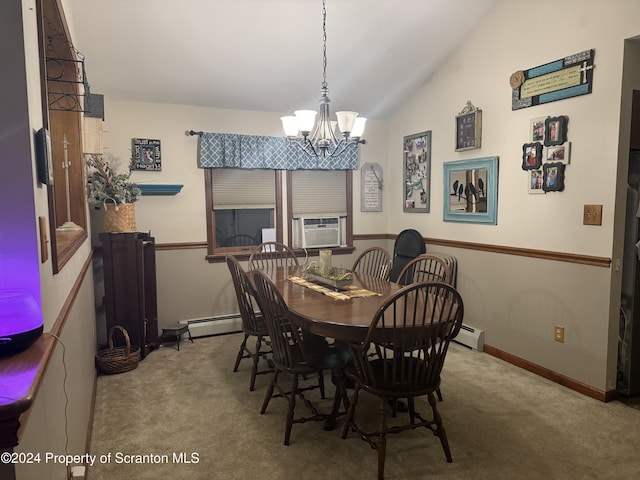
471 191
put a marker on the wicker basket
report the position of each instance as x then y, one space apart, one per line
120 217
118 359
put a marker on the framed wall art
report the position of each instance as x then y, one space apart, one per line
371 187
531 156
559 153
471 191
417 172
537 129
555 131
563 78
146 154
535 180
553 177
468 128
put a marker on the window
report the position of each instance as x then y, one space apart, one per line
320 193
240 204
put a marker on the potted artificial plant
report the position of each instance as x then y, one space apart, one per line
113 191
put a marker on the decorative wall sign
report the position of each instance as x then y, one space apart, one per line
417 172
471 191
371 188
565 78
146 154
468 128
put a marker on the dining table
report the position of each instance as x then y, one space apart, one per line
342 314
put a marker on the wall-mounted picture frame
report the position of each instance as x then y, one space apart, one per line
468 128
553 173
535 180
371 187
531 156
146 154
559 153
536 129
555 131
471 191
417 172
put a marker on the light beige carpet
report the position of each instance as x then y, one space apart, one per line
502 423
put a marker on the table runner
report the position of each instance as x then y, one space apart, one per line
351 291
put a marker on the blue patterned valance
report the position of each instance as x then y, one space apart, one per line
217 150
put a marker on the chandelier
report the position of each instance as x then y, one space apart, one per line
319 139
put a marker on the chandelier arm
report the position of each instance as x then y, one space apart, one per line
322 139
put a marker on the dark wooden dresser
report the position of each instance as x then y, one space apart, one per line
130 297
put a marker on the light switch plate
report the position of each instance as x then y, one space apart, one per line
592 215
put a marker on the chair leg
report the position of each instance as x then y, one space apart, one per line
321 384
292 408
381 444
351 412
254 367
243 345
440 433
412 410
269 393
439 394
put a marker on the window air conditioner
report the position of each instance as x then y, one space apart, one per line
319 232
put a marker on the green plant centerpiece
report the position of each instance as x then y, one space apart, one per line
112 191
106 184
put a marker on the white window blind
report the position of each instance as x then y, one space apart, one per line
242 188
319 192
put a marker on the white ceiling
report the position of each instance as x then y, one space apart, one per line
267 54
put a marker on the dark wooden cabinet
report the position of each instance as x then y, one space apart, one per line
130 296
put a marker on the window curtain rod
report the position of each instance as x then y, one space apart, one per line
191 133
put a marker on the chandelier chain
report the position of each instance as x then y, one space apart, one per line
324 44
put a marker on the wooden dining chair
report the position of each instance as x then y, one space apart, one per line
295 354
425 268
253 324
413 329
272 254
374 261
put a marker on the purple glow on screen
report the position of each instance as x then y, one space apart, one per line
19 312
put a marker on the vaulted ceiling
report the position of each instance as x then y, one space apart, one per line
267 54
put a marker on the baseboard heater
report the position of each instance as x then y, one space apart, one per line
204 327
470 337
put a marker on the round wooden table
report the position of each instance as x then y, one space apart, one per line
346 320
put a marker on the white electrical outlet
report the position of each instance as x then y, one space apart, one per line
78 472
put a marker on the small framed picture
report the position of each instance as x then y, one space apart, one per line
553 177
555 131
531 156
559 153
535 180
536 129
468 128
146 154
